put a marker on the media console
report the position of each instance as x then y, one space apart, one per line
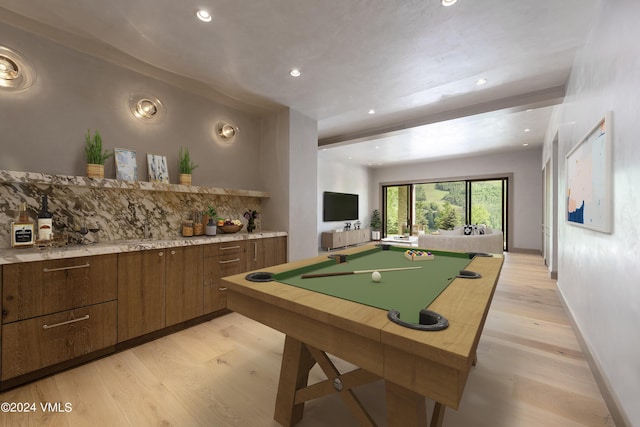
341 239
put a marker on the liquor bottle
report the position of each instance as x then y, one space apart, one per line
23 230
45 221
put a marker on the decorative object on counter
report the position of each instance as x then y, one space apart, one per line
83 230
198 228
146 108
16 73
126 164
95 154
375 224
23 230
226 132
94 228
45 222
211 227
251 216
187 228
230 226
158 170
185 166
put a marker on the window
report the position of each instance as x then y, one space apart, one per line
411 208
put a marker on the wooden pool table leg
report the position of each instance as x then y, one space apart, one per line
408 408
294 374
438 415
405 407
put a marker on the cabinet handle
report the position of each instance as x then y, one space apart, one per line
65 323
160 253
49 270
223 289
173 252
230 247
227 262
255 251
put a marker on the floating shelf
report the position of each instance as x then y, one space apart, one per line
36 178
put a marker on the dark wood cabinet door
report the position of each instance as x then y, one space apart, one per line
184 292
141 293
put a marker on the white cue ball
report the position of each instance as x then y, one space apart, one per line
375 276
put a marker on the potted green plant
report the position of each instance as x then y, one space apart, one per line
185 166
95 154
375 224
211 227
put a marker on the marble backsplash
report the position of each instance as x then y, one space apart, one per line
119 213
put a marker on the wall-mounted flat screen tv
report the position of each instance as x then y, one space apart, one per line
339 206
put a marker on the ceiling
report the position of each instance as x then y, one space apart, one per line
414 62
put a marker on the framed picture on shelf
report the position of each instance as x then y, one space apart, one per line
589 201
126 164
158 170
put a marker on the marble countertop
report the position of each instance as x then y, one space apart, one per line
12 256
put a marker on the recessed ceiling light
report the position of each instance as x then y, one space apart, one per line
294 72
372 111
448 3
204 15
481 82
527 130
525 145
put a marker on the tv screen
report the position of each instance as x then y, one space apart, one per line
339 206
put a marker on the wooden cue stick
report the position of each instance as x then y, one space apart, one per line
345 273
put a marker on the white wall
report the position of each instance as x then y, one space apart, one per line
526 219
342 177
598 272
303 176
288 158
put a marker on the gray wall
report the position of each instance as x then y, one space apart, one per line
598 272
42 129
289 172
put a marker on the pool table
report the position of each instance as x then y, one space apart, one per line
349 316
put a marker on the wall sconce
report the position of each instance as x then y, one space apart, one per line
146 108
15 72
226 132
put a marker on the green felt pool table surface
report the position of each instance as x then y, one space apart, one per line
407 291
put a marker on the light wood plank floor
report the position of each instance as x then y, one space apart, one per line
530 372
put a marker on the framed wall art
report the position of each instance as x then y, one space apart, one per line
126 164
158 170
589 179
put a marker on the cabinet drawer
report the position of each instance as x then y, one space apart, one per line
38 288
227 248
225 260
32 344
215 268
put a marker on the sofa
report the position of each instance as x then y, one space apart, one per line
455 240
